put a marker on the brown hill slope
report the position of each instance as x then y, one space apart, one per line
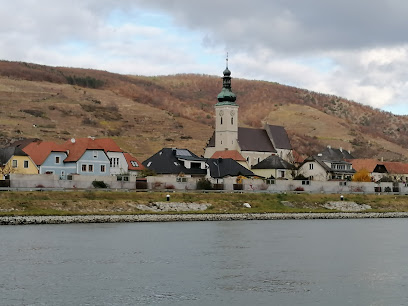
146 113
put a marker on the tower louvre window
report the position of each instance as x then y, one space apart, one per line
232 120
221 120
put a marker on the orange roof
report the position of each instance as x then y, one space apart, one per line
39 150
370 164
396 167
131 160
78 147
367 164
233 154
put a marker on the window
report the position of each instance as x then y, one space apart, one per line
342 183
14 163
90 168
26 164
83 168
305 182
103 168
95 154
232 120
134 164
221 120
270 181
311 178
310 166
57 159
148 164
181 180
281 173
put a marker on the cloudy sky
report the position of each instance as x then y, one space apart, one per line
355 49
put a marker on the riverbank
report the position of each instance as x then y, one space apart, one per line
100 206
26 220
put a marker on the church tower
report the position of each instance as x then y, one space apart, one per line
226 116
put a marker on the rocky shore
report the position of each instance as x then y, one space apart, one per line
21 220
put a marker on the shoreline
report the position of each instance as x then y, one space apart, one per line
32 220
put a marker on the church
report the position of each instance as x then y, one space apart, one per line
249 146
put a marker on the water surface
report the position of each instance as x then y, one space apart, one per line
277 262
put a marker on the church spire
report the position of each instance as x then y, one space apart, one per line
226 96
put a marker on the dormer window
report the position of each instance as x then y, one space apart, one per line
134 164
57 159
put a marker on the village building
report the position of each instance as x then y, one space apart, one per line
253 144
330 164
184 164
15 160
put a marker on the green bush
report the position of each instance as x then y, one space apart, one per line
204 184
99 184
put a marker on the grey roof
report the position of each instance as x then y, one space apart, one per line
7 153
273 162
321 162
279 136
223 167
254 140
166 161
331 154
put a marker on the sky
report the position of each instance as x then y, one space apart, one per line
354 49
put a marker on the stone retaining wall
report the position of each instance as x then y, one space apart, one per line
21 220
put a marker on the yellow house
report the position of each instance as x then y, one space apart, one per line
14 160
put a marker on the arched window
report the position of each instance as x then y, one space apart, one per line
221 120
232 120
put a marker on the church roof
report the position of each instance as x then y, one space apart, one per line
254 140
279 136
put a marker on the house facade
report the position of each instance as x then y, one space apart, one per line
274 167
14 160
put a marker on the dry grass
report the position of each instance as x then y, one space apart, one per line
103 202
177 110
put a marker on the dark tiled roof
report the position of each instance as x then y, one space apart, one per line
223 167
166 161
22 143
335 154
7 153
254 140
273 162
279 136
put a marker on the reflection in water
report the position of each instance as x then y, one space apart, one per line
303 262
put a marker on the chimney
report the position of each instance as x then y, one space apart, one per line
382 159
341 149
329 147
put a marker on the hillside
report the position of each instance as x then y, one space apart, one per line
144 114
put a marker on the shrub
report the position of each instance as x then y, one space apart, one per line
387 189
300 177
99 184
204 184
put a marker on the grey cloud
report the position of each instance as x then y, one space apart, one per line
293 26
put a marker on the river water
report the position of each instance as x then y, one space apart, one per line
281 262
